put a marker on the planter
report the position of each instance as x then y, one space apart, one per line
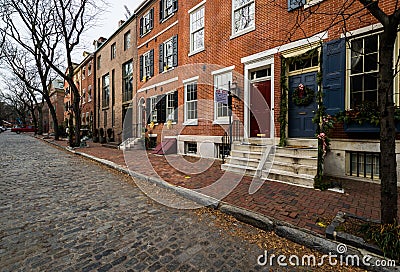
354 127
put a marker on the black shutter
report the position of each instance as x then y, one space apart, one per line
161 108
176 106
152 62
141 26
161 10
151 18
175 5
141 67
161 58
148 111
175 50
294 4
334 69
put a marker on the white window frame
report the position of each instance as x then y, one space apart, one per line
146 23
166 8
83 96
153 109
89 68
193 32
168 59
169 110
348 65
236 33
127 40
221 119
89 93
146 68
191 121
113 51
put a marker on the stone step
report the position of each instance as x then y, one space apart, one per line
295 168
293 159
246 154
244 170
302 152
302 142
300 179
250 147
254 163
259 141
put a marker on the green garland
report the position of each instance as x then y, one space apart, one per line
283 104
324 124
302 95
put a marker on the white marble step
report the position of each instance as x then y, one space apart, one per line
245 170
295 168
293 159
302 152
301 179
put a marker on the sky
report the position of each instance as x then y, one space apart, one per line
107 25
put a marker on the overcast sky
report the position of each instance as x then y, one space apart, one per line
107 25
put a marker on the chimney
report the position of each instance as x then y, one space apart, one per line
97 43
120 23
85 54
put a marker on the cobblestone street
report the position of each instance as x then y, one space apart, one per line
62 213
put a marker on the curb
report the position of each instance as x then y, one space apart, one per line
282 229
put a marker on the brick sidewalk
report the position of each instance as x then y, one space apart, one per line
299 206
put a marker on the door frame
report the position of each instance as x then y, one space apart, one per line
269 61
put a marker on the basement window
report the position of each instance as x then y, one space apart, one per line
190 148
363 164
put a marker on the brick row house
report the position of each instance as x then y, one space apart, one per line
184 57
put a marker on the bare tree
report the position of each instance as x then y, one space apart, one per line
338 18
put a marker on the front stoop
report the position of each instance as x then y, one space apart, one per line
296 163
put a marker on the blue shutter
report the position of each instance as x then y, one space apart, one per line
161 58
175 5
141 67
176 106
151 62
152 18
294 4
148 110
141 26
175 50
333 72
161 10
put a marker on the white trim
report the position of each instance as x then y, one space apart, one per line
242 32
267 53
158 34
311 3
195 52
190 79
362 30
223 70
197 6
221 121
190 122
191 33
158 84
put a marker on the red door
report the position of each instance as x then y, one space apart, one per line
260 109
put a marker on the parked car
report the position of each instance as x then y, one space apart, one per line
2 129
18 130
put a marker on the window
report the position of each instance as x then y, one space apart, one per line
113 51
98 62
221 82
167 8
197 30
83 96
303 62
363 164
127 81
243 15
84 72
127 40
106 90
190 148
90 68
162 108
147 22
147 65
87 118
89 93
168 54
153 108
190 101
363 64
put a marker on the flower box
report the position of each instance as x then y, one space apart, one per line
355 127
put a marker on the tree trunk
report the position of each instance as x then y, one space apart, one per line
77 115
54 117
40 121
388 169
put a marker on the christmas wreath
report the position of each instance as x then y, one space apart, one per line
302 95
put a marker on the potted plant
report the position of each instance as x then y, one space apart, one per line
110 135
102 138
95 135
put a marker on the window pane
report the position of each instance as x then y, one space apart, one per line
371 44
371 62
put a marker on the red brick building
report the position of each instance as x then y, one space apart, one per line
56 91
